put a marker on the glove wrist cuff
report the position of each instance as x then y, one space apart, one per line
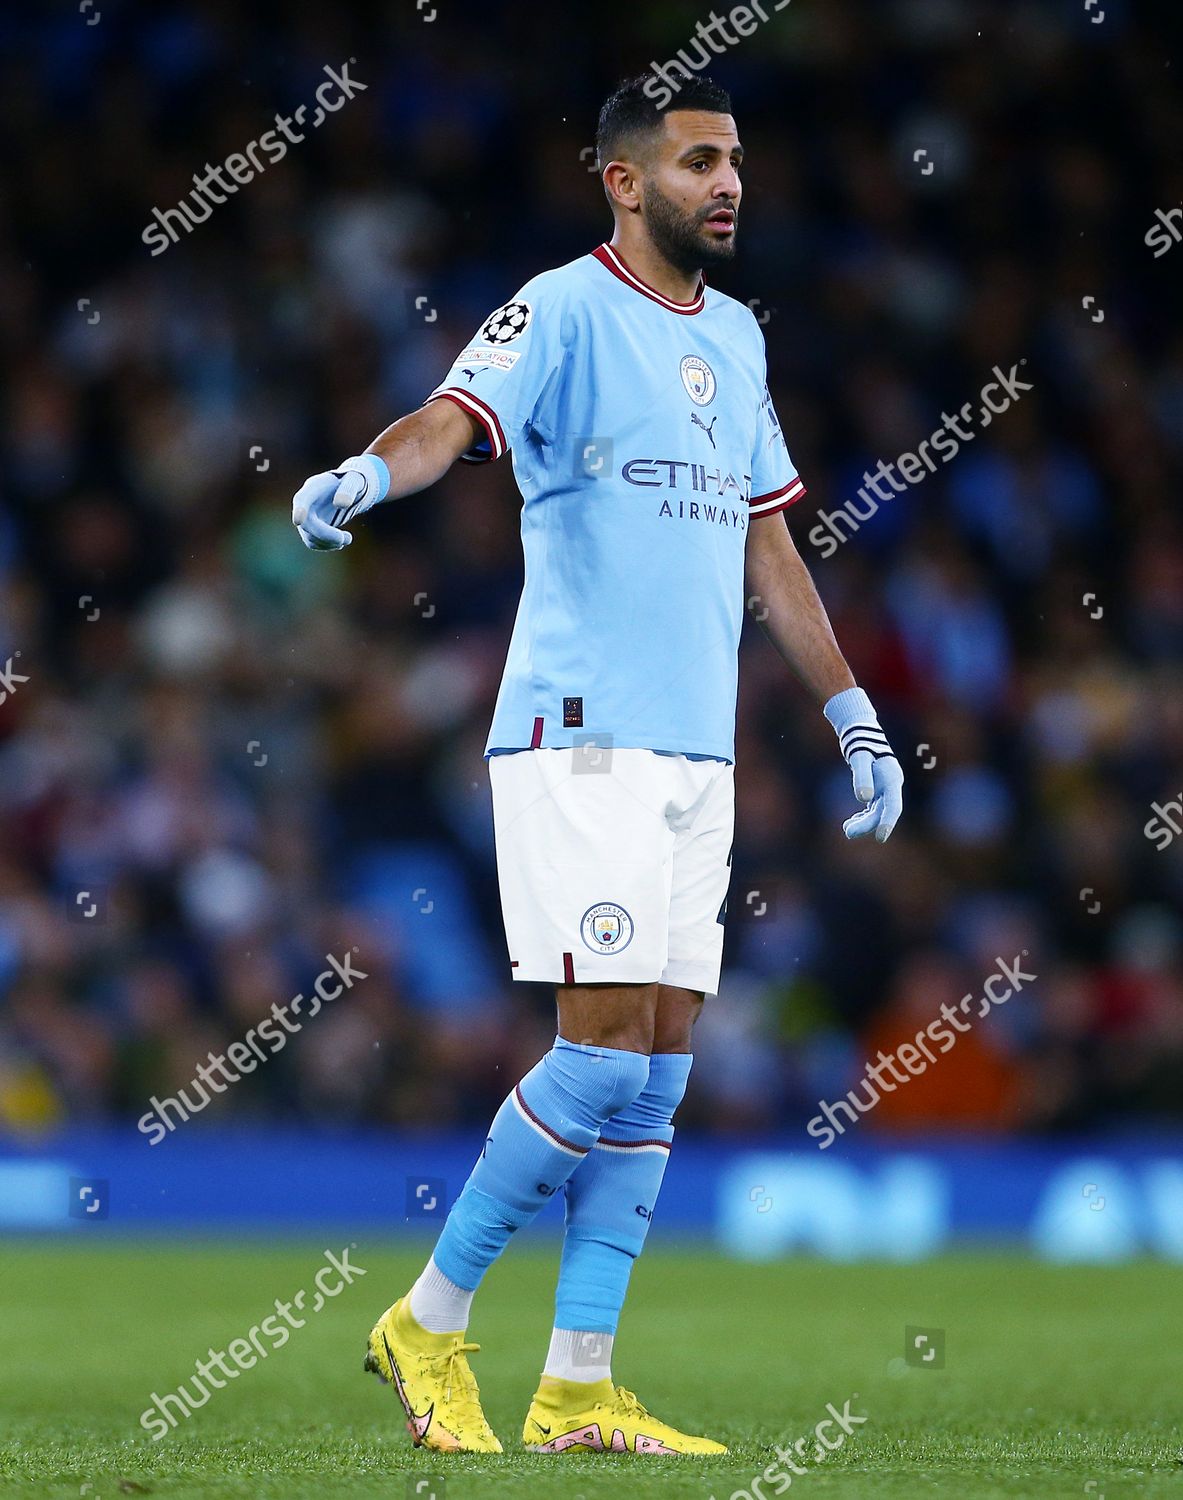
851 706
375 473
856 725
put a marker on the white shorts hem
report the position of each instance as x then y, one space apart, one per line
534 976
681 976
692 977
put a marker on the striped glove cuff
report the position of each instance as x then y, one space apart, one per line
856 724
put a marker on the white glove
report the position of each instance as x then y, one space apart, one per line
878 776
324 504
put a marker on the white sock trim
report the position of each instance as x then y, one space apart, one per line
437 1304
575 1354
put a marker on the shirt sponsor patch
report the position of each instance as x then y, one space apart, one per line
500 359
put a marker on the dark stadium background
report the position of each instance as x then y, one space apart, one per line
251 756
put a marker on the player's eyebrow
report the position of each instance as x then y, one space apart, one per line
708 149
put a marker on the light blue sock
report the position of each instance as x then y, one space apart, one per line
611 1197
542 1132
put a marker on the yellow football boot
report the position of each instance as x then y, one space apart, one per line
430 1374
599 1417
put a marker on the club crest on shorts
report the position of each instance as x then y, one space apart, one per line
606 928
699 379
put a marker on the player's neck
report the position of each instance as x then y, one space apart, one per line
644 260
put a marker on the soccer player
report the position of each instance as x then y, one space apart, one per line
653 474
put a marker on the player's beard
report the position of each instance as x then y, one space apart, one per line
681 237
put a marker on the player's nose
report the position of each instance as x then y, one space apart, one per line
727 189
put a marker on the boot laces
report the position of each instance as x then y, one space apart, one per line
629 1403
459 1374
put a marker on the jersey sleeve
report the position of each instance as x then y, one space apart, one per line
775 482
502 375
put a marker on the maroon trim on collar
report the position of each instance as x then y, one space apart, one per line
610 257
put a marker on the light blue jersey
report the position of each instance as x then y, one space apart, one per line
643 440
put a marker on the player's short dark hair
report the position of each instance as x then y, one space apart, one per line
631 118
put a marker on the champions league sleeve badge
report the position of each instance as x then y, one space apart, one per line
507 323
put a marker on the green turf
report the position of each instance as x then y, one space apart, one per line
1057 1381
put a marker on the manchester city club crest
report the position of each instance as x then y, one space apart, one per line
699 379
606 928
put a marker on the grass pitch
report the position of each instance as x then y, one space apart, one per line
1055 1382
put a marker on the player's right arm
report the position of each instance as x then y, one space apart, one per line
411 454
501 384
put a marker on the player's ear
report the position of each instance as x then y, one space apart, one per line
621 185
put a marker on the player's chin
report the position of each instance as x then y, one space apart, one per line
717 249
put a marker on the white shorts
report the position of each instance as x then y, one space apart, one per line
613 870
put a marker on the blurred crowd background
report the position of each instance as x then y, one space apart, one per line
229 757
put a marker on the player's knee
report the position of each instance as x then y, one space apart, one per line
652 1111
603 1079
630 1075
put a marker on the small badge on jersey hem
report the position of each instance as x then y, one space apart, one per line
699 379
572 713
606 928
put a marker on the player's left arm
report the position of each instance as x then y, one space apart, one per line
792 615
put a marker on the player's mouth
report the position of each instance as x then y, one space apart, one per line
722 221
